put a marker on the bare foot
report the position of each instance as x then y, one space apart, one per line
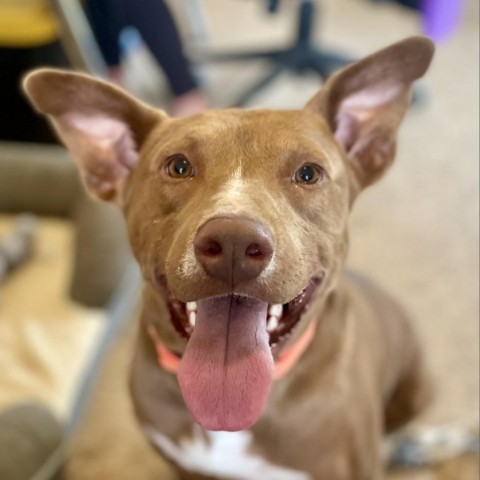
188 104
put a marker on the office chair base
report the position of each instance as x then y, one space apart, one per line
299 59
303 56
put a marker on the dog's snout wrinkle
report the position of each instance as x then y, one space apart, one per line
233 250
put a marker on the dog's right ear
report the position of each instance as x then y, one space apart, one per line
102 126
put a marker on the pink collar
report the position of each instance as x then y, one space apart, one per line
170 362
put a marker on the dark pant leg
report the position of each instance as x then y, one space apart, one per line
153 20
107 19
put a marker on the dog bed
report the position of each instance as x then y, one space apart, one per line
45 337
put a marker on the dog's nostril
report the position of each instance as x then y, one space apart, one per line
212 248
254 251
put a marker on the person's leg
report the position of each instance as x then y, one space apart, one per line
157 27
107 19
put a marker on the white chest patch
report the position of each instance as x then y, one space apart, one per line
222 455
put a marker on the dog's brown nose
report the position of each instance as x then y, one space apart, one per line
233 250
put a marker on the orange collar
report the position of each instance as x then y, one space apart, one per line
170 362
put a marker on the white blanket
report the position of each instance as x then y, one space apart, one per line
45 338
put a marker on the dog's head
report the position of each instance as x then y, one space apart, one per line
237 218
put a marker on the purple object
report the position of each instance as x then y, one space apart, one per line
440 17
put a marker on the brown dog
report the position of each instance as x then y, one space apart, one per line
238 220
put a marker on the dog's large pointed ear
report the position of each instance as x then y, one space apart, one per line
365 103
102 126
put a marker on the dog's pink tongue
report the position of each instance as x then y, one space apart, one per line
227 368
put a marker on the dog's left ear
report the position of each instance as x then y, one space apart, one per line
102 126
365 103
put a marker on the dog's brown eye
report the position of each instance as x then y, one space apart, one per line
178 166
308 174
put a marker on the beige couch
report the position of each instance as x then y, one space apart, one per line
42 180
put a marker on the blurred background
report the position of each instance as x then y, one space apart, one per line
68 288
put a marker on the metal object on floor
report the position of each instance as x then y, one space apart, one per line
431 446
16 248
301 57
120 310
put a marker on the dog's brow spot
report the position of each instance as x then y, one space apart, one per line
236 184
233 197
237 174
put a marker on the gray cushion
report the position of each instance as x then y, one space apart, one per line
42 179
29 436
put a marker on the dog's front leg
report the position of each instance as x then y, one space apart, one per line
413 392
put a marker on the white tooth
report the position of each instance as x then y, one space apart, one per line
272 324
192 306
276 310
192 318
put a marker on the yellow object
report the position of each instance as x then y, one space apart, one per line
27 23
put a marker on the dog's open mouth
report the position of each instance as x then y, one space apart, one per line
227 368
281 319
